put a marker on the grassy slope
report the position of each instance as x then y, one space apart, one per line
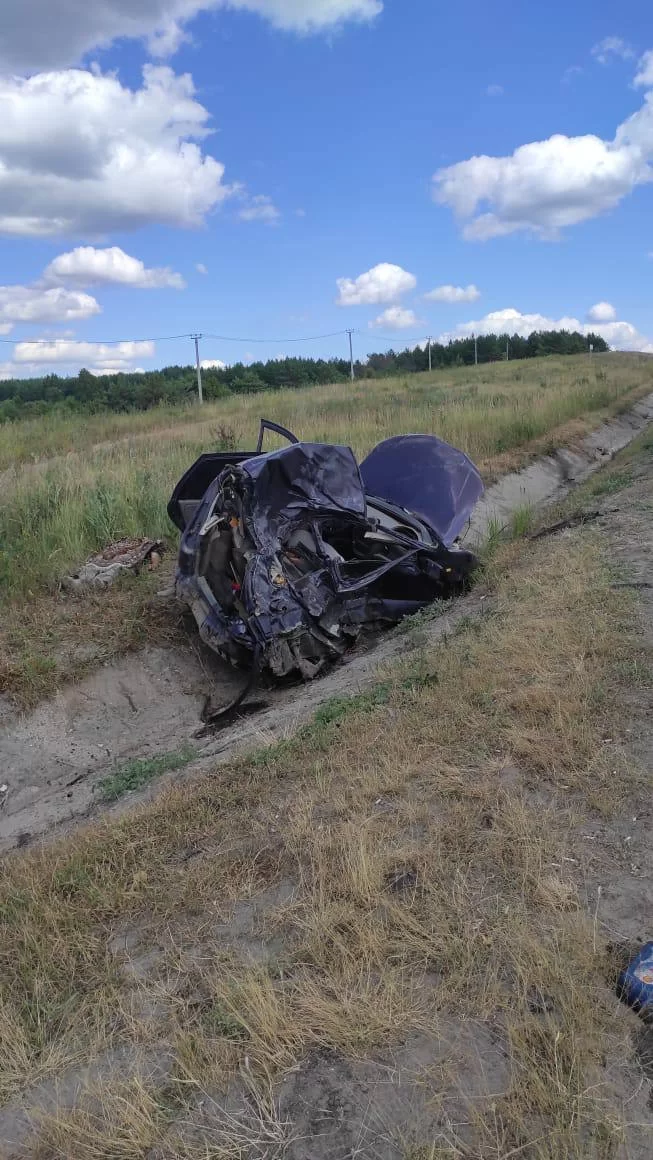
493 409
59 514
56 514
482 757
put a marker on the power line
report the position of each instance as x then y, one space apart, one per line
401 338
92 341
169 338
310 338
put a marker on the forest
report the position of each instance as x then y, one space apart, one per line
138 391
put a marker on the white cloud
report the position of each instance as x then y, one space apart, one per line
612 46
619 335
602 312
201 268
33 37
35 304
644 77
310 15
383 283
495 90
208 364
106 357
117 370
509 321
81 153
260 209
86 266
396 318
454 294
548 185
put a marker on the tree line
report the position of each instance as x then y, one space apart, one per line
138 391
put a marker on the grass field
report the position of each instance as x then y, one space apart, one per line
56 513
426 880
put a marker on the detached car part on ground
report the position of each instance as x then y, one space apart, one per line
286 556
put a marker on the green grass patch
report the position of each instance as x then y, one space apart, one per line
141 771
611 482
521 522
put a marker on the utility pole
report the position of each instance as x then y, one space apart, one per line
475 351
351 355
430 340
196 339
507 350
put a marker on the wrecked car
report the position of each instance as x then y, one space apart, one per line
286 556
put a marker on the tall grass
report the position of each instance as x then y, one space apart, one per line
366 406
54 514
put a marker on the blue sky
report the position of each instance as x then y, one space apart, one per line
286 146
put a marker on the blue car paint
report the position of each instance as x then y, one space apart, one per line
635 984
428 477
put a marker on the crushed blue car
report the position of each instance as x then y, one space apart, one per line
286 556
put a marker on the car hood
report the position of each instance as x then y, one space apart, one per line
428 477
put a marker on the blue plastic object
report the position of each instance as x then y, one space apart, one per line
635 984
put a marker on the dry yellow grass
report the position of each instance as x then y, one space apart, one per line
410 863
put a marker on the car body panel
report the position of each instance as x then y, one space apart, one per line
428 477
286 556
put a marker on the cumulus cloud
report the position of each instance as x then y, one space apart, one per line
36 304
117 370
32 37
80 153
454 294
310 15
396 318
96 356
260 209
201 268
619 335
495 90
546 186
644 76
383 283
208 364
602 312
86 266
610 47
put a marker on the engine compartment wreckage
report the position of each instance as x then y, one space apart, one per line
285 556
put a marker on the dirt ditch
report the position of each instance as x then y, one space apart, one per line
54 760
